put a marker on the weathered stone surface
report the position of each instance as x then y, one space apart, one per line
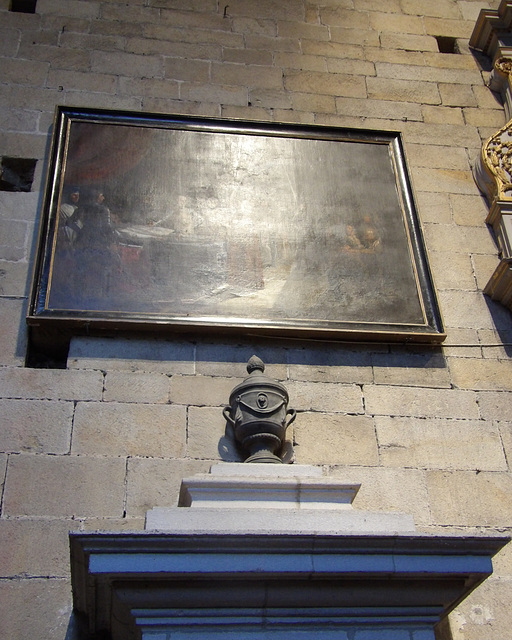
478 374
322 438
121 386
125 354
470 498
318 396
35 426
78 486
35 547
402 490
129 429
495 405
153 482
422 403
207 437
48 615
440 444
50 384
419 370
202 390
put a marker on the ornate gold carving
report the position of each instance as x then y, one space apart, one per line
497 159
503 65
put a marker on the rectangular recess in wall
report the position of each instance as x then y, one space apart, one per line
178 223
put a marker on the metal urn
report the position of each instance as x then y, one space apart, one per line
258 412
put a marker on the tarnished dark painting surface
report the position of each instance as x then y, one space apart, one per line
236 225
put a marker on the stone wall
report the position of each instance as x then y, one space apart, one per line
427 430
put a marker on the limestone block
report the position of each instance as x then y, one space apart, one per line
50 384
364 37
246 75
248 56
156 482
287 60
202 390
268 10
20 205
395 56
485 98
126 64
505 429
26 72
402 490
37 608
408 42
121 386
211 93
313 103
298 29
409 401
443 114
463 343
64 486
433 207
485 117
73 8
10 42
478 374
435 8
13 278
207 437
123 354
269 99
339 16
13 243
113 524
403 90
465 310
129 13
256 41
458 95
440 444
351 67
248 24
459 239
469 210
485 613
410 369
436 157
129 429
326 438
452 270
495 405
328 365
484 268
35 547
318 396
448 135
470 498
76 80
35 426
396 23
378 109
331 84
455 28
496 344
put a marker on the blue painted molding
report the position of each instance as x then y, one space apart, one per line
391 581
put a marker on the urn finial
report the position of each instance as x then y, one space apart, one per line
259 415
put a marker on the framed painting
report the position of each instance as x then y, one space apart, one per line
184 223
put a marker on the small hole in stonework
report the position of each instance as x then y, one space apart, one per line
17 174
23 6
447 44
